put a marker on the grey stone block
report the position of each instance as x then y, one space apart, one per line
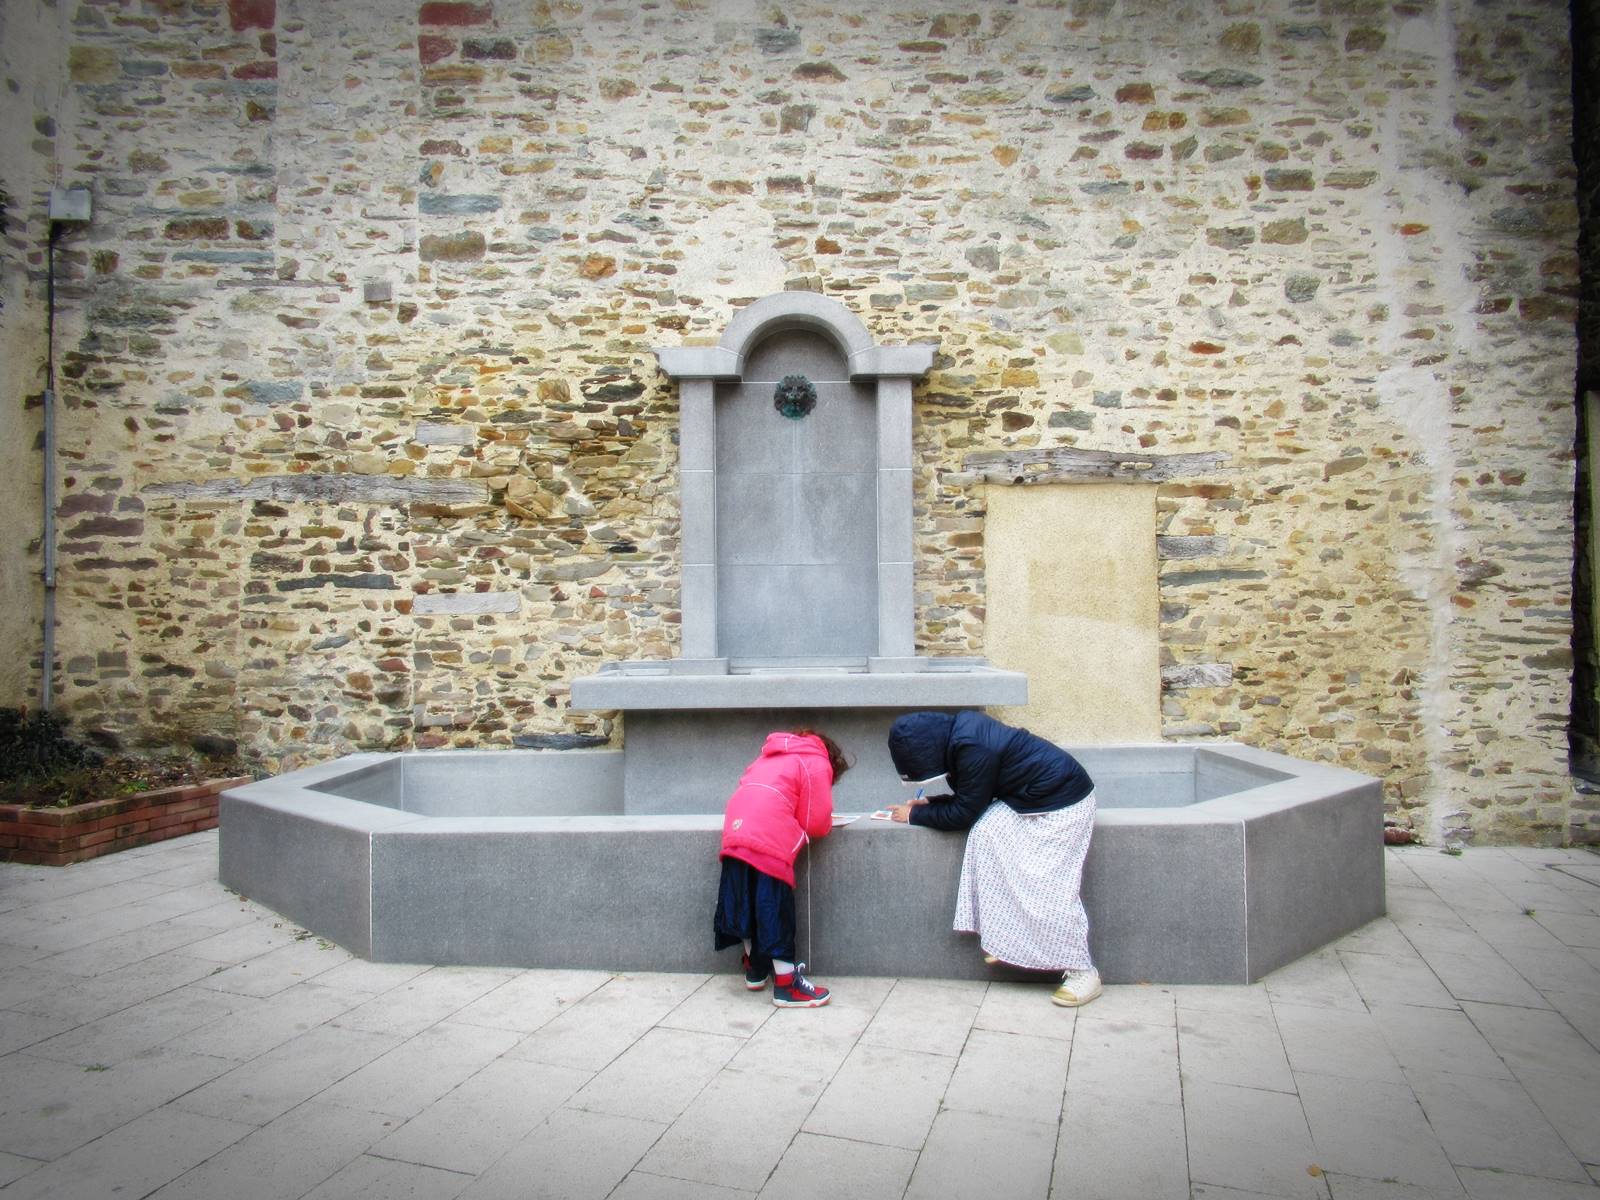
796 352
634 686
466 602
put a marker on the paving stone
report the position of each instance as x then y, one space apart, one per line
404 1081
256 1026
979 1156
1534 1039
1142 1004
1249 1139
1369 1128
1492 1124
734 1132
284 1159
49 1108
929 1016
883 1095
14 1166
369 1178
658 1076
641 1185
1382 979
1582 1011
1318 979
133 1159
1112 1146
1249 1000
267 1087
1229 1048
469 1128
532 999
278 970
107 954
602 1025
809 1044
371 978
1025 1008
1431 1039
20 1030
1336 1042
1353 1187
1010 1075
1570 1101
1485 977
574 1155
138 1028
1128 1062
1378 936
828 1168
723 1005
410 1007
1502 1185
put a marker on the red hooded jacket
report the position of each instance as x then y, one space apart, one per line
784 799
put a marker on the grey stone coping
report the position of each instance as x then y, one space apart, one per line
623 686
795 310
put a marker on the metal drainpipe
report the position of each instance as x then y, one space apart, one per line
48 654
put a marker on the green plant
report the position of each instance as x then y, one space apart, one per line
37 744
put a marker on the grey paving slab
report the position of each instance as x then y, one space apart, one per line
883 1095
1485 977
408 1078
89 999
1250 1139
133 1159
1532 1039
734 1133
1385 979
1318 979
139 1027
1239 999
811 1044
1554 968
723 1005
1502 1185
530 1000
1112 1147
19 1030
49 1108
658 1076
977 1156
1432 1039
14 1166
591 1033
1582 1011
369 1178
926 1015
1127 1061
575 1155
269 1086
642 1185
1333 1041
107 954
1375 1129
410 1007
1245 1050
370 978
1025 1008
280 969
1571 1103
1380 936
255 1026
472 1126
1354 1187
826 1168
1142 1004
284 1159
1492 1124
1010 1075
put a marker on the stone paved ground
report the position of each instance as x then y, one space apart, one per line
161 1037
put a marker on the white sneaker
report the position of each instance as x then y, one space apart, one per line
1077 987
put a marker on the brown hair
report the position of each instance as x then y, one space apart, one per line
836 758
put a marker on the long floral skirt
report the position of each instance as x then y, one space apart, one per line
1019 886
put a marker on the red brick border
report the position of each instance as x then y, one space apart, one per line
55 837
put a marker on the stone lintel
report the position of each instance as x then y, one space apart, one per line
1069 464
622 690
332 489
430 603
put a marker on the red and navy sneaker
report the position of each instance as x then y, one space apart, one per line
796 991
756 972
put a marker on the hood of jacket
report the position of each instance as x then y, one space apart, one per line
795 743
919 743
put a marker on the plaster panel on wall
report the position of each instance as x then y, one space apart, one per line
1071 581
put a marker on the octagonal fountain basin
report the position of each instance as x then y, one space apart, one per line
1209 864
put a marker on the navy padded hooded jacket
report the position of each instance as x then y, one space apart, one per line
986 761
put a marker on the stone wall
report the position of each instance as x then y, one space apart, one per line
364 444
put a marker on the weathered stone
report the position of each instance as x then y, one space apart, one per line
455 247
1233 238
774 39
1288 232
437 203
1300 288
1287 180
435 603
1222 77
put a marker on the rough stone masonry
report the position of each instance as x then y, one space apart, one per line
363 445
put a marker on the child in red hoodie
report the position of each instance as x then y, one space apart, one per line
784 799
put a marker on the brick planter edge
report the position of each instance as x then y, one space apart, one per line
57 836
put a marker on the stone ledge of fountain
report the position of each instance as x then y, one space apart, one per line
1210 864
699 685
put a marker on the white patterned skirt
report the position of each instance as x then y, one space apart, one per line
1019 886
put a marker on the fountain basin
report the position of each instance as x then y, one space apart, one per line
1210 864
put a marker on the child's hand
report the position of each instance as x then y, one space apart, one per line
902 812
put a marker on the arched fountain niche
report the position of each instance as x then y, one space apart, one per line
797 572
